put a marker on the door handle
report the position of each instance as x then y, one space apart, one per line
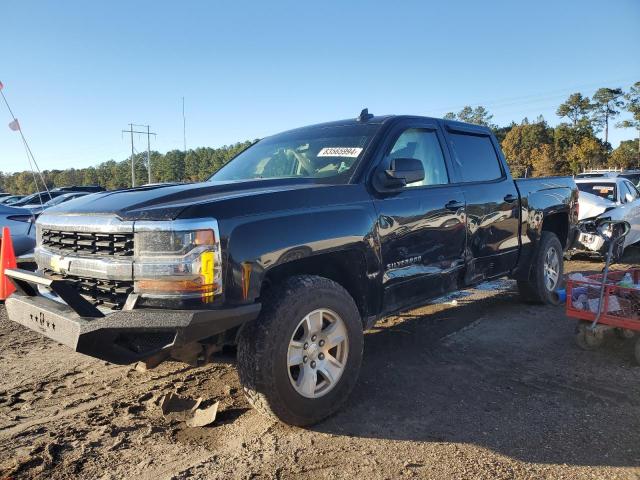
454 205
510 198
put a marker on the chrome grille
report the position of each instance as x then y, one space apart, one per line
89 243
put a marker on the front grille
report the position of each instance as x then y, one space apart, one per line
109 293
104 244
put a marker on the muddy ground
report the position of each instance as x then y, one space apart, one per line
486 388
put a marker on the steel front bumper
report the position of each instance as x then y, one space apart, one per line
122 337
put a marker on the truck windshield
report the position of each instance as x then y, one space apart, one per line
329 154
601 189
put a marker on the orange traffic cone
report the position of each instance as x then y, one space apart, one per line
7 260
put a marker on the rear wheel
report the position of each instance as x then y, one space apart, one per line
586 338
299 361
625 333
546 274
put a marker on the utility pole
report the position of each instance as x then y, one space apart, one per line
133 168
148 154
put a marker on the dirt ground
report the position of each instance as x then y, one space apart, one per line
484 388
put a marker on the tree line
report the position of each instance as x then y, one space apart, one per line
174 166
532 148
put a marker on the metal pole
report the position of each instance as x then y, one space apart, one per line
132 131
184 127
148 153
133 168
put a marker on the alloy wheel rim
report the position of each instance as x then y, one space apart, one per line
317 353
551 269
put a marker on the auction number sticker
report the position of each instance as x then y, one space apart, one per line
340 152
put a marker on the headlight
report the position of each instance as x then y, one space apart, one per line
179 259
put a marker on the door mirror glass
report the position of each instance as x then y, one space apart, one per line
402 171
628 198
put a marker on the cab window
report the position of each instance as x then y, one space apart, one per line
476 157
423 145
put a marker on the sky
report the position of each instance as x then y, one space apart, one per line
77 73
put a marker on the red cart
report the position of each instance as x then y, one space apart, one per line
605 301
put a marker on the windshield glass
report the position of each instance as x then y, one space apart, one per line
60 199
601 189
34 198
327 153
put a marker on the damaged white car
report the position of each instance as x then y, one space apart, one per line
608 197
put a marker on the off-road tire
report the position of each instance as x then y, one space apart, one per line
263 344
534 289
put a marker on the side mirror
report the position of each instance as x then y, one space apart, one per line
401 172
628 197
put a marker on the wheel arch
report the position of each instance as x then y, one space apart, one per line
346 267
557 223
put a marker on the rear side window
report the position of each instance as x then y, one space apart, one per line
475 156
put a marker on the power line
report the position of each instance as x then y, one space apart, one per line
533 97
29 153
34 175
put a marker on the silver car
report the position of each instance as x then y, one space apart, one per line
21 226
613 197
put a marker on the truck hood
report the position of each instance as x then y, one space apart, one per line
168 201
593 205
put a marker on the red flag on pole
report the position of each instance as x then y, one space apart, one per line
15 126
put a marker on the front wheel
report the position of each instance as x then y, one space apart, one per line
299 361
546 272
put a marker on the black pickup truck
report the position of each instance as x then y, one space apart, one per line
292 250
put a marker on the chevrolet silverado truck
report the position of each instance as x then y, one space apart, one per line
292 250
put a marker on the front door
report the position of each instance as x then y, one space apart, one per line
422 227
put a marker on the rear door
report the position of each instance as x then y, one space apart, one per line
492 202
421 227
